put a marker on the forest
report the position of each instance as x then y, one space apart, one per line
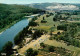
11 13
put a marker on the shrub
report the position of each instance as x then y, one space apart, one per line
42 45
31 52
32 23
43 21
51 48
62 27
37 34
7 48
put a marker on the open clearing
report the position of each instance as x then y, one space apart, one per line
46 26
45 38
61 44
35 44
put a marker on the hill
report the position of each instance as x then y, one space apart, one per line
54 6
11 13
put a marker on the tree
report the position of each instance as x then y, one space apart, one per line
42 45
51 33
20 36
51 48
62 27
37 34
29 32
43 21
54 19
11 13
35 53
32 23
17 40
58 33
43 18
31 52
7 48
47 15
34 18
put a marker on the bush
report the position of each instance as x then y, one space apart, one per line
31 52
58 33
42 45
37 34
62 27
35 52
20 36
43 21
34 18
51 38
47 15
32 23
17 40
51 48
7 48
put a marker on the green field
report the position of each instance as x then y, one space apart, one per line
50 24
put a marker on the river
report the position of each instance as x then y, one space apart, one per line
10 33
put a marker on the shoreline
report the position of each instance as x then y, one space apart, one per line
6 27
1 32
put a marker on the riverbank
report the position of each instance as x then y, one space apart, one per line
1 32
11 32
6 27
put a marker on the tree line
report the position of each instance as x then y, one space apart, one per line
11 13
69 35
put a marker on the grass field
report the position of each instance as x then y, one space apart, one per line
47 26
75 16
61 44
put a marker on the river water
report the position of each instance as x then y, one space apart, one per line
10 33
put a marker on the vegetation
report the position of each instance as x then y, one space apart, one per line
51 49
42 45
34 18
7 48
11 13
20 37
37 34
43 21
54 51
62 31
32 23
31 52
61 27
69 35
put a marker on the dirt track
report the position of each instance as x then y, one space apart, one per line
35 44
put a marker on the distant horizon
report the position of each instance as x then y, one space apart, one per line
38 1
43 2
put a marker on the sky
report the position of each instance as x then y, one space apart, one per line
37 1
